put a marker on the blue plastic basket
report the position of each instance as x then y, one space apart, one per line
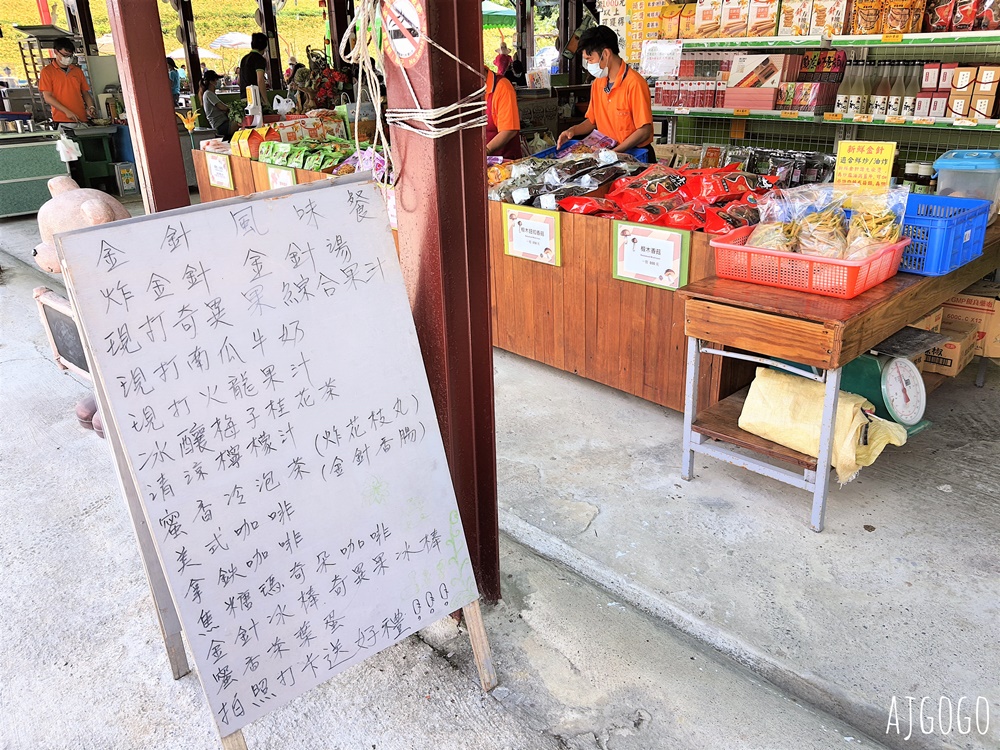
550 153
944 233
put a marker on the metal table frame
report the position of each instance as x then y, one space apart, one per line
817 482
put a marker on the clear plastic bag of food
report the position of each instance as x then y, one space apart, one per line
497 173
566 171
550 200
504 191
530 167
876 219
823 233
601 176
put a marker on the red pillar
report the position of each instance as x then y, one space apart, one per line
441 204
135 28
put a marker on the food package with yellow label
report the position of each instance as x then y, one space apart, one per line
689 15
794 17
901 16
866 17
830 17
708 19
735 14
762 18
670 21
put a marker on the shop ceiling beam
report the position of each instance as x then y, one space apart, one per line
142 67
269 26
81 23
441 209
190 41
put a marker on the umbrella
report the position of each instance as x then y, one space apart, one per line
178 54
232 40
498 15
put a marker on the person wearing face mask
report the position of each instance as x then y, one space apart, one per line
620 105
64 87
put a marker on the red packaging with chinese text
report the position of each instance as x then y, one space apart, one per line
938 15
579 205
964 18
988 15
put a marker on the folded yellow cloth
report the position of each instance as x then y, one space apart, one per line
788 410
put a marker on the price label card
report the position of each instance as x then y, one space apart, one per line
867 163
892 38
741 112
532 234
895 120
863 118
786 115
923 121
280 177
833 116
652 256
965 122
220 173
682 111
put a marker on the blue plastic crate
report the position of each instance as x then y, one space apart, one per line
550 153
945 233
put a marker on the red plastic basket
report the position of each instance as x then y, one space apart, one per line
833 278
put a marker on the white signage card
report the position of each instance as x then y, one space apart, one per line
262 368
220 173
661 58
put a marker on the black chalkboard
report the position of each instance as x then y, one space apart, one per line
65 336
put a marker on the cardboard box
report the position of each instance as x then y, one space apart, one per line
962 79
952 356
931 321
979 304
708 19
751 98
688 17
246 142
959 105
987 79
982 106
829 17
670 21
734 18
762 18
866 17
939 104
947 74
763 71
795 17
932 73
923 106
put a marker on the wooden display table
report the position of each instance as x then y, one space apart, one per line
823 332
578 318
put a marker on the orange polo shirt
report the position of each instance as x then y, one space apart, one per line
625 109
504 103
67 86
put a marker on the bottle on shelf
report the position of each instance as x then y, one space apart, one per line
898 90
912 88
880 96
910 175
924 172
871 83
858 102
844 90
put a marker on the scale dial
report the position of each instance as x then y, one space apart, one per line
903 391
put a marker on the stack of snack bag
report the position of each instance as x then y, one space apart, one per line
543 182
811 220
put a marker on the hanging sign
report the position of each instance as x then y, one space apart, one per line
653 256
220 174
866 163
404 24
532 234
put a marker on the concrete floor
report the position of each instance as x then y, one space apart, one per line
639 611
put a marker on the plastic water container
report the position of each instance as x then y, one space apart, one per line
970 174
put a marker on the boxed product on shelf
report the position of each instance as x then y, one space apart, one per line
988 15
939 104
957 78
762 18
808 96
982 105
670 21
734 18
737 98
958 105
965 15
829 17
978 304
866 17
763 71
825 65
937 15
931 76
952 355
987 79
688 28
708 19
923 105
794 17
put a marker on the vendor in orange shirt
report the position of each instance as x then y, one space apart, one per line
620 105
503 121
64 87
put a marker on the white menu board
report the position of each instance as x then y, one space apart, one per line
264 375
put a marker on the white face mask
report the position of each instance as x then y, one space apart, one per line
595 69
64 61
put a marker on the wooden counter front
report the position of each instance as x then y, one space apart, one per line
243 182
577 317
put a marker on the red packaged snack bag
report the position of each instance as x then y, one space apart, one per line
690 215
655 183
725 185
579 205
937 15
965 15
988 15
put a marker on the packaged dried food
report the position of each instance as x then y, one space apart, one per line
579 205
937 15
601 176
822 233
964 18
690 215
876 219
550 200
988 15
564 172
497 173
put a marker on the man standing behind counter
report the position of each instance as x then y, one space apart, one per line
64 87
620 105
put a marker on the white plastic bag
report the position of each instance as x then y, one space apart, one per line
69 150
283 106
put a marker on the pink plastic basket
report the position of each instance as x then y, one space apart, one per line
833 278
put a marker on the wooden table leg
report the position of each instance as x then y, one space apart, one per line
690 406
823 461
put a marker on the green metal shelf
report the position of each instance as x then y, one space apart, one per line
956 38
944 123
757 42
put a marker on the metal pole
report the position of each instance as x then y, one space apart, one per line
191 56
441 204
270 27
82 23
